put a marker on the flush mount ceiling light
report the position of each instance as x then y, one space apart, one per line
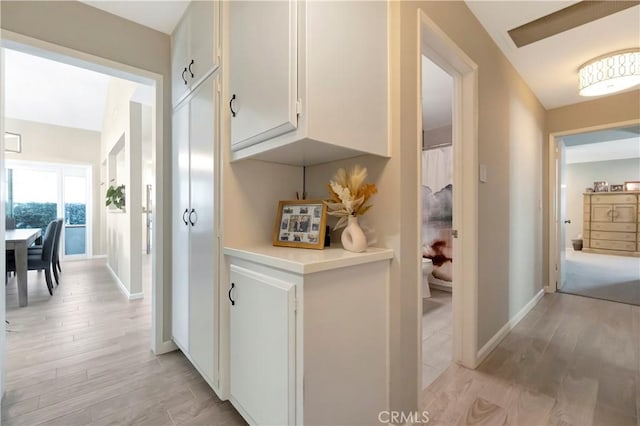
610 73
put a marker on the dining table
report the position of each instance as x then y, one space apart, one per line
19 241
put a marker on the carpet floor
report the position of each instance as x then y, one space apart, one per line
615 278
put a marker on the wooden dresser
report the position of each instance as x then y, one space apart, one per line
611 223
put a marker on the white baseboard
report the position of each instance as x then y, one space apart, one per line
99 256
497 338
123 289
165 347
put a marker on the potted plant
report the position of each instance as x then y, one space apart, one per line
115 197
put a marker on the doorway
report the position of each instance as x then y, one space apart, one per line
38 193
443 52
596 239
437 220
158 342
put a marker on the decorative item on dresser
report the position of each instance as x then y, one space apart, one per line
601 186
632 185
616 188
611 223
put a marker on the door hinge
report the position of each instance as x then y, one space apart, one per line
454 233
299 106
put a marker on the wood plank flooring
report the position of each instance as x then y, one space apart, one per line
437 330
82 357
571 361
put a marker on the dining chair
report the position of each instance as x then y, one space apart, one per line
40 261
55 260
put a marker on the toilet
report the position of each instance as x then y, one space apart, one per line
427 269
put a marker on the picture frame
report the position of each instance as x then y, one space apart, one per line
12 142
600 186
632 185
300 224
616 188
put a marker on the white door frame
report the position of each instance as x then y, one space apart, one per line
439 48
70 56
554 199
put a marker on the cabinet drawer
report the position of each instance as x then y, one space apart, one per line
614 236
586 208
586 242
614 199
587 199
601 213
615 227
614 245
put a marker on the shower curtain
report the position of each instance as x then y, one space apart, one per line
437 218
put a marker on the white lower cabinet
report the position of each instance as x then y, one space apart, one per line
262 347
308 335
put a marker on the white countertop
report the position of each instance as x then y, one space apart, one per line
307 261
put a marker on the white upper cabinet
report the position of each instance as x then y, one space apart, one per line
264 80
194 48
308 81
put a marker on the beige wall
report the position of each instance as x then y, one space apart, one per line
511 125
56 144
582 175
86 29
123 122
601 112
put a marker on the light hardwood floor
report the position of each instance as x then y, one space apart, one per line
571 361
437 329
82 357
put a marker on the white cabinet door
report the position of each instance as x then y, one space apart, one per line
202 40
203 240
180 233
179 54
262 347
263 70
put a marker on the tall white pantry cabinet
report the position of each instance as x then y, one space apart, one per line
195 151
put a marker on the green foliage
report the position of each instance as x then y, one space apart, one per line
34 215
115 196
75 213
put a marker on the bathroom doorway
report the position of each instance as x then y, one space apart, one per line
444 52
437 220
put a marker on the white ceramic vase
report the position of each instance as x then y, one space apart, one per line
353 238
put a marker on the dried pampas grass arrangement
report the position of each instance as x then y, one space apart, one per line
349 194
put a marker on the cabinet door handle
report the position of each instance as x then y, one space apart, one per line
191 72
190 218
233 98
184 79
233 302
184 219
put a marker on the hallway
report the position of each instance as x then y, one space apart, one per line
82 357
571 360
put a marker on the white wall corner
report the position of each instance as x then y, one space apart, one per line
123 288
510 325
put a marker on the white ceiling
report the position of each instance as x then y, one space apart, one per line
604 151
550 66
160 15
46 91
437 95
